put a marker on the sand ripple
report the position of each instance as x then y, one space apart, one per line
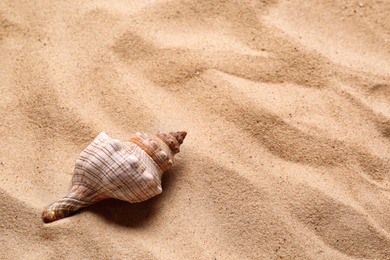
287 110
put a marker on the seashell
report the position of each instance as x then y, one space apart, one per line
109 168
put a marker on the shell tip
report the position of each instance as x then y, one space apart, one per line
48 216
179 136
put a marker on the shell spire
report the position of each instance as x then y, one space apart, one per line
109 168
173 140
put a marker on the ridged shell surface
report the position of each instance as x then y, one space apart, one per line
120 170
109 168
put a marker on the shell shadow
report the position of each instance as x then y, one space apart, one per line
135 215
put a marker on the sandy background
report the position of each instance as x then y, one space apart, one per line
286 104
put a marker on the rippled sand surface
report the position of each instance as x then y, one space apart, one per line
286 104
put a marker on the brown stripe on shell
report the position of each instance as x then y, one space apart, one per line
151 147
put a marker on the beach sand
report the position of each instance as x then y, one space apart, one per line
286 104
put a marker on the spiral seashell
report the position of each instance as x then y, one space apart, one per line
109 168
